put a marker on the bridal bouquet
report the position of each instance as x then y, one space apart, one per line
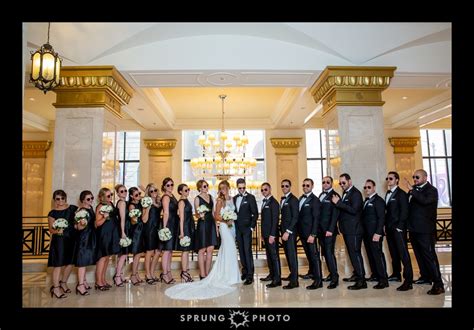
81 217
202 209
106 209
228 215
60 223
146 201
164 234
185 241
124 242
134 214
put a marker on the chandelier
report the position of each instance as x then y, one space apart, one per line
222 157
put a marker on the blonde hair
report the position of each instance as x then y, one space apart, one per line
220 194
101 195
200 183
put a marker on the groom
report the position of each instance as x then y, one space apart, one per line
247 214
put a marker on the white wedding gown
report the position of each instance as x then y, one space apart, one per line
224 273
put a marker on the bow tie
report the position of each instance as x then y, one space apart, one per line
304 196
240 195
265 200
389 191
367 198
283 197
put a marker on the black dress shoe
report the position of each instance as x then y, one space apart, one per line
358 285
394 278
306 276
405 287
273 284
435 290
327 279
333 285
291 285
315 285
268 278
353 278
243 277
248 281
381 285
286 278
422 281
372 278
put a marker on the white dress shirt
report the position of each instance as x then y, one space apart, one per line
239 200
324 194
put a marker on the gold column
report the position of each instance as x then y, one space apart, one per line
286 151
160 158
91 87
404 152
34 158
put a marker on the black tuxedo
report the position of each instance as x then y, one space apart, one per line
350 207
396 216
289 218
373 218
422 214
247 215
308 224
270 215
328 222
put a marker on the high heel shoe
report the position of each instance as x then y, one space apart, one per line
67 290
63 295
150 281
87 286
100 287
202 277
120 284
137 282
85 293
186 277
170 281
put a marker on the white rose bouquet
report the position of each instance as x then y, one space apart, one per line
106 209
81 217
134 214
185 241
61 224
228 215
124 242
202 209
164 234
146 201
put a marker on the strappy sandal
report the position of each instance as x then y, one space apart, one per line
67 290
120 284
85 293
186 277
51 290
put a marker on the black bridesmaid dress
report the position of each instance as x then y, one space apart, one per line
172 225
61 247
107 236
136 231
150 228
123 250
206 234
84 250
188 225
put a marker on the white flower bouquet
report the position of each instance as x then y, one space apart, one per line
146 201
106 209
228 215
202 209
81 217
134 214
164 234
124 242
185 241
60 223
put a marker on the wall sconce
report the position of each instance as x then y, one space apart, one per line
45 67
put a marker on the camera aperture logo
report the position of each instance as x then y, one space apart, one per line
238 318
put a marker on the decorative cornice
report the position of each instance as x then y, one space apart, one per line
404 145
93 86
286 146
160 147
351 85
35 149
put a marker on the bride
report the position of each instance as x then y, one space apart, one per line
225 271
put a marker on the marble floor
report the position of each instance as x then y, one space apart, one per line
36 285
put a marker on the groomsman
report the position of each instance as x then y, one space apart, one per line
396 215
247 214
373 218
308 223
350 207
270 215
327 232
422 214
289 218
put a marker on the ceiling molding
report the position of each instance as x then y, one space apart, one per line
420 80
216 123
285 104
35 121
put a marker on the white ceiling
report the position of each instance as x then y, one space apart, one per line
173 66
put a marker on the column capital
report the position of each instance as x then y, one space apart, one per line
404 145
351 85
286 146
160 147
91 87
35 149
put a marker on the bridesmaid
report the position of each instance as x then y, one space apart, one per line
123 229
106 235
186 228
136 233
170 208
62 244
151 220
84 249
206 233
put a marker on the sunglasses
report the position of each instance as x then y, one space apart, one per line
170 185
264 189
367 187
108 196
204 186
305 185
185 190
122 191
389 179
90 199
416 177
135 195
326 182
60 199
241 188
285 186
342 183
153 191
